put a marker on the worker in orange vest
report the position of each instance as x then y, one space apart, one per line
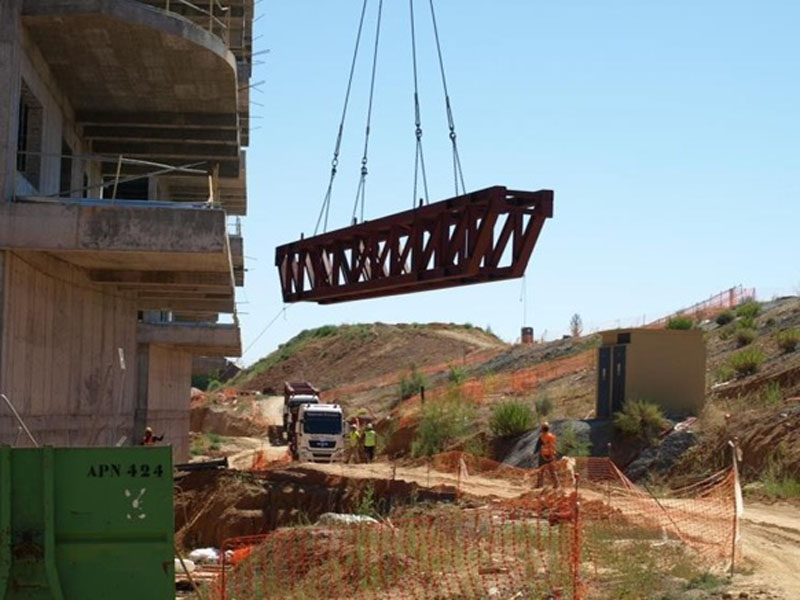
546 449
149 439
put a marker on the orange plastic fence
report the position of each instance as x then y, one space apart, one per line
540 541
519 382
479 356
707 308
451 554
702 516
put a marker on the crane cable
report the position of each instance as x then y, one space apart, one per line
458 175
419 158
362 183
326 202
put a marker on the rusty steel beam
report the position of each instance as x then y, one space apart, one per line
482 236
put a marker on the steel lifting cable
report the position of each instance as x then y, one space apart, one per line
458 176
419 158
362 183
326 202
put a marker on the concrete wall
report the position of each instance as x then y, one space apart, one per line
164 394
59 361
10 27
21 60
665 366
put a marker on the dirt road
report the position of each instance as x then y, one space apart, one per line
241 450
472 484
771 546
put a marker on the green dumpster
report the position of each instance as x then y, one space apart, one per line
86 524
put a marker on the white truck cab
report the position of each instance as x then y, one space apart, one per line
320 433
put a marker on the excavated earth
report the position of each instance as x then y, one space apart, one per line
212 506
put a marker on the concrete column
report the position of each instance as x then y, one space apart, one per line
142 380
2 317
163 394
10 49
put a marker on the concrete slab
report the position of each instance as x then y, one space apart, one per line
201 339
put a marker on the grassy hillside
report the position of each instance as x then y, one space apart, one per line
334 356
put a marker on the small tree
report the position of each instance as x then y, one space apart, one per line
576 325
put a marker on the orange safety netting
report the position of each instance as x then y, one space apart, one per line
701 515
533 538
450 554
476 357
519 382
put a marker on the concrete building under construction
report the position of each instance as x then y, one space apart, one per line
122 179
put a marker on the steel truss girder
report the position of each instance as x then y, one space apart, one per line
482 236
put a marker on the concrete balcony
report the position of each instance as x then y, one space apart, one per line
170 257
199 339
149 84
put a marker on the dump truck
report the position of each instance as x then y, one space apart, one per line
295 395
319 434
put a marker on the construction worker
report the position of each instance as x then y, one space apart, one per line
149 439
546 449
355 444
370 440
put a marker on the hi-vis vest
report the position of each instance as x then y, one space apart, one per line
354 435
369 438
548 449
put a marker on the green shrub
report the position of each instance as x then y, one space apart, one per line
706 581
366 502
511 418
411 383
777 476
205 443
641 419
443 422
724 373
751 309
201 381
680 322
569 444
745 336
456 375
747 322
725 317
788 339
213 385
544 406
772 395
747 361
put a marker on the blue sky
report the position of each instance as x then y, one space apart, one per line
670 132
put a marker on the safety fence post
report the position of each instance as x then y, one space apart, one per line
735 498
576 544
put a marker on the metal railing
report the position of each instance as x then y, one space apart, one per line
219 26
114 183
235 226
